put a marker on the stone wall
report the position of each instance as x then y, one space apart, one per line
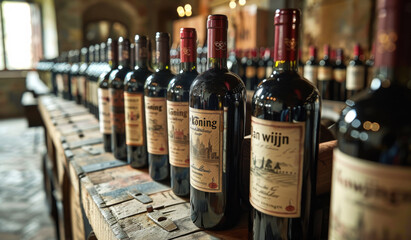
142 17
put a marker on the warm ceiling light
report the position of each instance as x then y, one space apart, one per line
189 13
232 4
180 11
242 2
187 7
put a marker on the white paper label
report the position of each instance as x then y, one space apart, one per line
355 77
369 200
277 154
178 134
206 149
310 73
104 111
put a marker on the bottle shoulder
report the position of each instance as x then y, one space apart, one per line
217 81
159 79
287 88
183 80
375 126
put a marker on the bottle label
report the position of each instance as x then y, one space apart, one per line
268 71
104 111
325 73
250 72
93 92
156 122
134 118
73 86
301 70
60 83
340 75
82 86
369 200
370 75
355 77
206 149
178 134
116 97
277 153
261 73
310 73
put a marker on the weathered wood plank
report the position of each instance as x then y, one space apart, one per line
133 207
103 222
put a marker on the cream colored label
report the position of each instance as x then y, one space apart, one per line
250 71
134 119
93 92
104 111
340 75
156 125
301 70
355 77
82 86
369 200
268 71
261 73
277 154
60 83
370 75
325 73
310 73
73 86
206 149
178 134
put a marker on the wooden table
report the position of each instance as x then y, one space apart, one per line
93 187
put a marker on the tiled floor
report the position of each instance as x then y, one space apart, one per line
23 210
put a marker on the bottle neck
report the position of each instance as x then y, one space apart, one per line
217 48
124 58
141 55
286 48
188 54
393 48
188 66
162 55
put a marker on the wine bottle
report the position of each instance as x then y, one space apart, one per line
103 93
251 70
270 64
217 122
311 66
244 59
355 74
261 66
371 179
74 72
300 64
82 90
67 75
89 76
325 75
369 64
116 96
285 120
155 98
134 105
340 74
94 80
177 114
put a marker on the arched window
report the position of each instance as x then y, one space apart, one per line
20 35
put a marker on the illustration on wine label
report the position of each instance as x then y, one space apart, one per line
277 150
206 149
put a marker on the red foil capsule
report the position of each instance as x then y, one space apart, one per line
217 36
188 42
286 23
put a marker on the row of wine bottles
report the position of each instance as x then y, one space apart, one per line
195 123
